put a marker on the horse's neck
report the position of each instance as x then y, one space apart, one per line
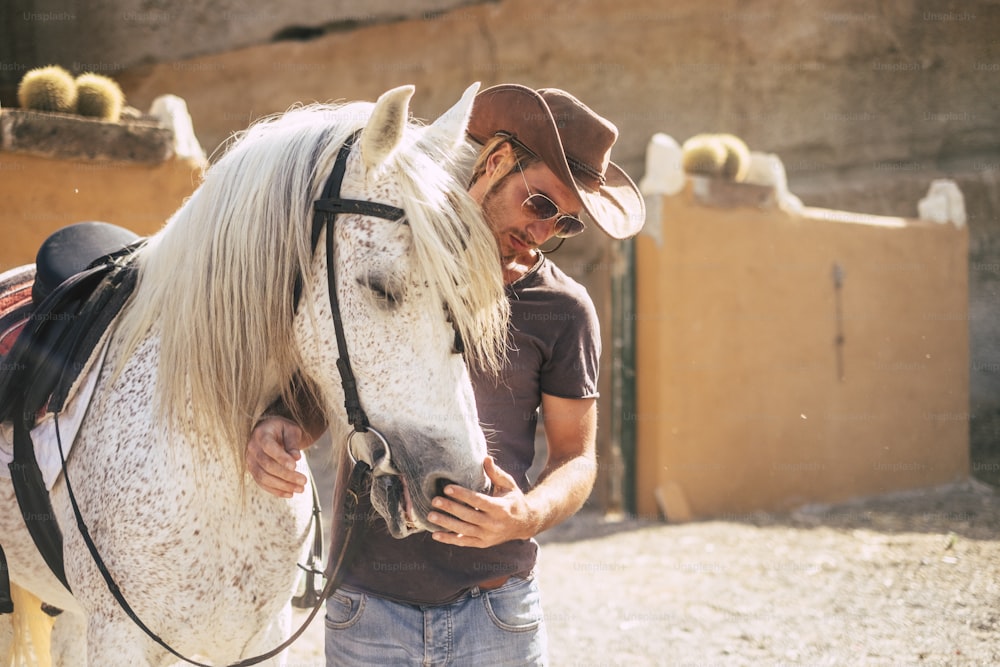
128 388
137 384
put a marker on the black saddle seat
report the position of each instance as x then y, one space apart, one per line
70 250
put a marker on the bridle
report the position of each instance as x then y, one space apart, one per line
326 210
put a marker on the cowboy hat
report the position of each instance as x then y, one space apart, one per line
573 141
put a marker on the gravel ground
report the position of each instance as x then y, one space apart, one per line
906 579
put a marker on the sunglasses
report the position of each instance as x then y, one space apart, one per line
540 207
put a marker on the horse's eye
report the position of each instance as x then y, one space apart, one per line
385 296
458 346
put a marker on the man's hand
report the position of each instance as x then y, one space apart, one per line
275 446
473 519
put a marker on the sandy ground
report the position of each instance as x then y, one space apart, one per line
906 579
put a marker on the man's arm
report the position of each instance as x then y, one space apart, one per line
475 519
275 445
569 474
303 412
276 442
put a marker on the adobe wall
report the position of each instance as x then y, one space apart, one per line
40 195
788 359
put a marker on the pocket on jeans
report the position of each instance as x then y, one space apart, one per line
344 608
516 606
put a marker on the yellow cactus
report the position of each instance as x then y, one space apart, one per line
703 154
99 97
720 155
49 88
737 162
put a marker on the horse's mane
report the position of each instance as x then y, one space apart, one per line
216 284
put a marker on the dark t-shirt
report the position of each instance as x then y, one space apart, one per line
555 347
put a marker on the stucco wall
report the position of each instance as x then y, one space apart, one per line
763 385
41 195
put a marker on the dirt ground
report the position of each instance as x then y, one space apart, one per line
905 579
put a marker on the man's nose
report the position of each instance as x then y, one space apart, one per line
541 231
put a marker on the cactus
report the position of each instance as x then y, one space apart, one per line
99 97
49 88
703 154
719 155
737 162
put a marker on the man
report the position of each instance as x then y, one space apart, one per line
466 594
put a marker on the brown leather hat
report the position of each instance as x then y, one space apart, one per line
573 141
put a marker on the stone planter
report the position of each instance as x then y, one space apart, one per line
67 137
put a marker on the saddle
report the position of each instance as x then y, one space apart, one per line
83 277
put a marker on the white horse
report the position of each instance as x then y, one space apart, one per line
212 335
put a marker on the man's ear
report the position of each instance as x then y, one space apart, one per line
499 163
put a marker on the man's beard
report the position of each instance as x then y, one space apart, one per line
493 213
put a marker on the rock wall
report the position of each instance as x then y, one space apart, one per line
109 36
866 104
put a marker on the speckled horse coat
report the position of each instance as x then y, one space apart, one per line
212 335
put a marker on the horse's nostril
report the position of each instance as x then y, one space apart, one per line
439 485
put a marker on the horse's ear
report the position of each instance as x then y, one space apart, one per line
385 128
448 131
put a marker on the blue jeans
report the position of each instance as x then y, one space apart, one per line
496 628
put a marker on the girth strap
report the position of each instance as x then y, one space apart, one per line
35 504
6 603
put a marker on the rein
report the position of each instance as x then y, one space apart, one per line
327 208
348 549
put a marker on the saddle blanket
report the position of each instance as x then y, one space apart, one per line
15 298
70 419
